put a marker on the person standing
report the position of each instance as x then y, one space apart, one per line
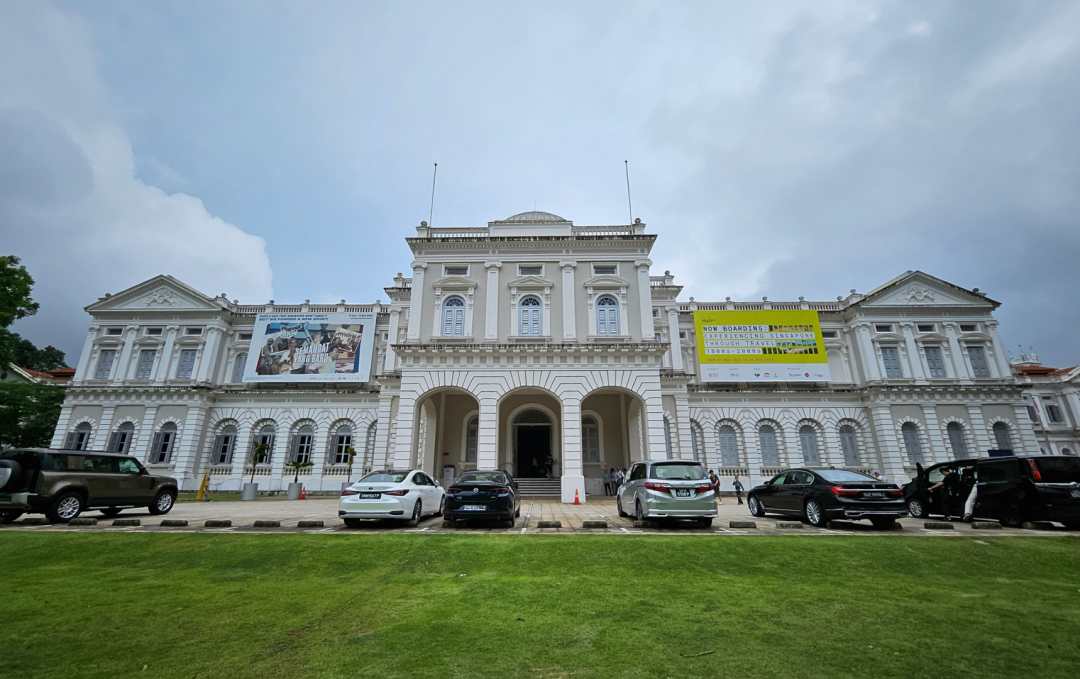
949 484
738 489
607 483
716 486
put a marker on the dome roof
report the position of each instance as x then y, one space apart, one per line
534 217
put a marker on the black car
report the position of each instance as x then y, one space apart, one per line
819 495
483 495
1011 489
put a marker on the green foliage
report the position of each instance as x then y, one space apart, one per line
297 465
28 414
258 452
23 353
15 285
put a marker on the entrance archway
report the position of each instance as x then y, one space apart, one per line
533 432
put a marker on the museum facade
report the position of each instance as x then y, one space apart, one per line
543 348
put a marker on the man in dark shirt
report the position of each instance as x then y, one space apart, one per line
949 485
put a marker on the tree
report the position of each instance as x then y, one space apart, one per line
28 414
258 450
29 356
297 466
15 285
351 453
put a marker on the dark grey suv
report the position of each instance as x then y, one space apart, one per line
63 483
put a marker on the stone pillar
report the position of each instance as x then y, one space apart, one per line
983 442
161 366
240 455
487 440
390 360
654 426
675 351
893 459
573 476
914 357
648 332
320 451
209 355
61 427
188 448
753 458
999 355
416 301
125 365
683 445
382 456
869 356
832 453
140 445
104 429
83 369
568 297
1026 440
938 452
491 303
959 363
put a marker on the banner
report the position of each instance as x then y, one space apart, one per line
760 346
333 347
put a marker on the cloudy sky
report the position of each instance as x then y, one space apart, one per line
284 149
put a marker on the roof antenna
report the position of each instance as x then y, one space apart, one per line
626 163
431 212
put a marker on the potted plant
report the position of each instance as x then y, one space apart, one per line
251 490
350 452
295 487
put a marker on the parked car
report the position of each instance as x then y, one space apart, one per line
483 495
819 495
667 489
1012 490
64 483
406 494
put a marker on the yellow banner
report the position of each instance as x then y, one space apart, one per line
761 346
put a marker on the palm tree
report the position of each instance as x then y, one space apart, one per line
350 452
297 465
257 450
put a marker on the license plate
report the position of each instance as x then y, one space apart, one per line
473 508
874 494
680 492
7 498
1074 493
370 496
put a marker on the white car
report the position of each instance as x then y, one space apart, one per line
391 494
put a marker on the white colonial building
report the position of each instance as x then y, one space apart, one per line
529 339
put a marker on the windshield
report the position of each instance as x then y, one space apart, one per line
1059 471
678 471
482 477
844 476
385 477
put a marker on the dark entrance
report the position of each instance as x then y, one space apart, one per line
533 448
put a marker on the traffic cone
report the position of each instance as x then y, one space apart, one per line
576 500
303 492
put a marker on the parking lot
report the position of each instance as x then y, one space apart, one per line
536 516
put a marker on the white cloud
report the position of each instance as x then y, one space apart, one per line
71 205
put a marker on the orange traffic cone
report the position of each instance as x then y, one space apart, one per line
576 500
303 492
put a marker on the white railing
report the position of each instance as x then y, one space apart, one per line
289 471
464 232
220 470
602 231
769 472
335 471
262 470
733 471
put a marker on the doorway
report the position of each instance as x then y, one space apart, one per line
532 445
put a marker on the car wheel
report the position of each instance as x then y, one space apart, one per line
512 521
65 508
639 513
110 511
414 521
352 523
1012 521
916 509
814 514
442 504
705 523
756 508
8 517
163 503
618 506
517 512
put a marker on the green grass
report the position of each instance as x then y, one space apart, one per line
393 605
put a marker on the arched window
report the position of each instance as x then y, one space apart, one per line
770 453
729 446
912 444
223 445
529 310
162 448
607 316
955 430
369 446
809 444
667 438
590 439
265 437
472 436
532 416
80 438
238 368
849 445
453 317
1003 436
342 443
1066 451
300 450
120 441
697 442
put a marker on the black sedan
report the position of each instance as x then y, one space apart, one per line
483 495
819 495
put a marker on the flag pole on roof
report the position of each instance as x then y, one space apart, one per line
431 211
626 164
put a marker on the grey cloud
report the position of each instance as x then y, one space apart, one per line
40 164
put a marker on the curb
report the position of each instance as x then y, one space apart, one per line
79 521
310 524
267 524
174 523
939 525
549 524
217 523
742 524
985 525
789 524
127 522
594 524
35 521
1038 525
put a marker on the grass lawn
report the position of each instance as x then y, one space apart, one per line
393 605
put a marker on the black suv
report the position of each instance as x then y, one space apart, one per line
1012 490
63 483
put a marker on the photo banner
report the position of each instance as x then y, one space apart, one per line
760 346
332 347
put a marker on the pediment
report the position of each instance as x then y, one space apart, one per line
454 282
531 282
607 281
157 294
915 288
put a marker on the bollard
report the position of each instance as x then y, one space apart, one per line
742 524
309 524
174 523
217 523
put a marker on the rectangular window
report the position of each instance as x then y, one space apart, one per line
883 328
978 361
456 271
968 328
531 270
153 331
104 364
828 334
605 269
682 334
1053 413
926 328
1033 414
193 331
935 362
656 313
145 366
890 356
245 336
187 363
114 331
658 337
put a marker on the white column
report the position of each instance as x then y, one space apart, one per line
209 355
913 351
892 458
573 477
869 356
140 447
61 426
653 422
832 454
186 455
1028 442
753 457
673 335
124 367
403 429
104 429
161 366
959 363
382 456
487 442
83 369
645 299
491 302
569 313
390 360
1000 356
416 301
938 452
979 432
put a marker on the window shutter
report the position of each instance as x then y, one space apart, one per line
935 362
156 453
890 356
770 454
218 455
238 368
978 361
956 441
911 442
849 445
114 442
69 442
